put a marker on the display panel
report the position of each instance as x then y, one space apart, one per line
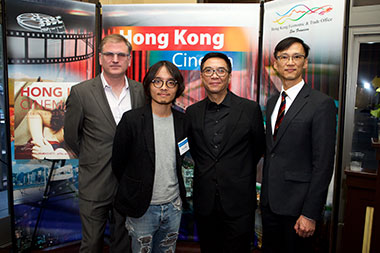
320 25
183 34
51 46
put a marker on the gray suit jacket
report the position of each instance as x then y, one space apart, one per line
298 165
89 131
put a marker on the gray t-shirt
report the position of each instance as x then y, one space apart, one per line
165 187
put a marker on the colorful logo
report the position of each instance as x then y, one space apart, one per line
301 10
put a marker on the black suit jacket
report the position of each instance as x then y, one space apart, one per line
298 166
233 170
89 130
133 160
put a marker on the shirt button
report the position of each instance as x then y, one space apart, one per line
215 146
272 155
216 121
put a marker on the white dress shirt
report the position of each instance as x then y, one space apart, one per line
120 104
291 95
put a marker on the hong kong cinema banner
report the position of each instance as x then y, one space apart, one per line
183 34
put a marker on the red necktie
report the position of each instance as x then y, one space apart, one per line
280 115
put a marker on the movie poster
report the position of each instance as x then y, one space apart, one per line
320 24
51 46
39 113
183 34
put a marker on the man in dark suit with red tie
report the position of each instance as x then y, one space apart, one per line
299 159
226 140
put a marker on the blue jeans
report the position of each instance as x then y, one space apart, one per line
157 230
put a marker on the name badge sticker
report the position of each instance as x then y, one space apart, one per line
183 146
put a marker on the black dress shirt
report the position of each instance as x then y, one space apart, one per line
216 121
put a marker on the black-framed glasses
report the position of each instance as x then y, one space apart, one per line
221 72
158 83
284 58
111 55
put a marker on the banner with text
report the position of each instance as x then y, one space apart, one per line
183 34
320 24
50 48
176 34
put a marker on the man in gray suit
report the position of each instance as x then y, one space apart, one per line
93 111
299 159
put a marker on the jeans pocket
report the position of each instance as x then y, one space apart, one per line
128 225
177 203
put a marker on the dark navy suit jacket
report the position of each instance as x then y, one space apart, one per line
298 165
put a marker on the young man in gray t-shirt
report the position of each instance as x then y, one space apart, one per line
148 150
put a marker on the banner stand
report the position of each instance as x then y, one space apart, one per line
46 196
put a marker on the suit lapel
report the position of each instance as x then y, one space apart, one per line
149 132
232 120
101 99
270 107
296 106
133 91
178 118
201 121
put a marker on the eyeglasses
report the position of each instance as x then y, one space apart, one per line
111 55
158 83
284 58
221 72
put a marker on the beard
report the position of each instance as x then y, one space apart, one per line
162 101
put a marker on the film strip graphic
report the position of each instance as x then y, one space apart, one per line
27 47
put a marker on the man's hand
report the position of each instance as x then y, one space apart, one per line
304 227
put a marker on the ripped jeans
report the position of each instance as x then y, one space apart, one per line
157 230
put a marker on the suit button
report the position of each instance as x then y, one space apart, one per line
272 155
216 160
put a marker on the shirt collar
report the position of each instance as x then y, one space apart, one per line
226 102
106 85
293 91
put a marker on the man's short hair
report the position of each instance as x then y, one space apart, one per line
115 38
217 55
288 42
172 69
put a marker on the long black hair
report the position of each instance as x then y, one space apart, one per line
172 69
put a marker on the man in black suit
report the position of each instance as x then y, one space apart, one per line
93 109
149 146
300 147
226 138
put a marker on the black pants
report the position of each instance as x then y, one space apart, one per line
279 234
219 233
